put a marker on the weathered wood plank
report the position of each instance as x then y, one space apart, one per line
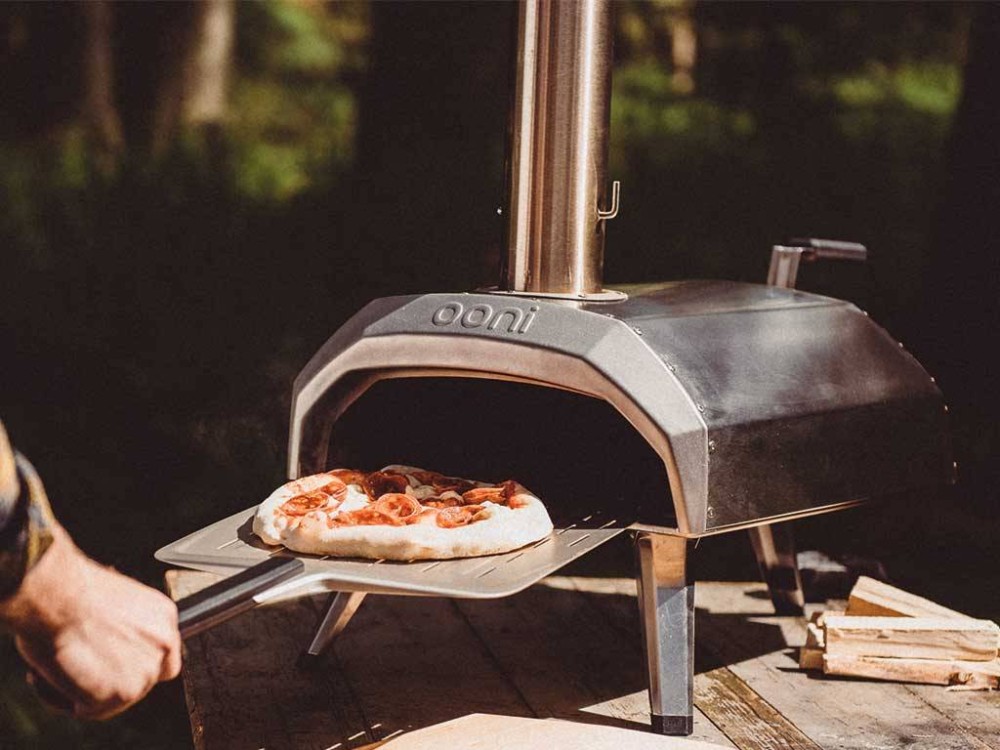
737 626
486 732
412 662
912 637
871 597
409 662
978 714
746 718
245 690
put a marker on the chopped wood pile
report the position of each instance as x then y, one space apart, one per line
890 634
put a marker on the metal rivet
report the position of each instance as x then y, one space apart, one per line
954 465
900 344
499 210
946 408
672 368
701 407
711 446
710 512
638 331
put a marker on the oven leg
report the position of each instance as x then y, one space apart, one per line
340 608
774 546
666 609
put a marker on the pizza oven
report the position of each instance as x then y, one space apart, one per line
677 410
749 404
671 411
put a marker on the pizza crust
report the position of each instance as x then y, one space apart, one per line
503 529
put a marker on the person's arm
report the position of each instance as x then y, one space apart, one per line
100 639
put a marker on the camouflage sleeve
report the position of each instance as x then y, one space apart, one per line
25 518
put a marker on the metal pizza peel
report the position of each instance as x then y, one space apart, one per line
258 574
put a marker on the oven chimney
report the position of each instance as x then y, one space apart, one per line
558 149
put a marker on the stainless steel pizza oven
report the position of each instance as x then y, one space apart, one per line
674 410
747 404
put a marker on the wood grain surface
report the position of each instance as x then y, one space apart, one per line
568 648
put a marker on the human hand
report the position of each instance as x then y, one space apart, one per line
101 639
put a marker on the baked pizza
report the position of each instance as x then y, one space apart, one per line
400 513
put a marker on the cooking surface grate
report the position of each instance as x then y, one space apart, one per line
229 546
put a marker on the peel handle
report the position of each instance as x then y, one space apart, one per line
233 595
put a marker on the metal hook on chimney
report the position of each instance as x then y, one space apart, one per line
616 190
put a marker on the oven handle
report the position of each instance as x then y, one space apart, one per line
233 595
815 248
784 269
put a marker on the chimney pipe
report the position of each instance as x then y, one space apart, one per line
558 149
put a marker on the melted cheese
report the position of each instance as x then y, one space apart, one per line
355 500
421 491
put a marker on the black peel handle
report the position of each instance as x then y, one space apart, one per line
233 595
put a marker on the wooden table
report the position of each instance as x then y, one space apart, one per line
568 647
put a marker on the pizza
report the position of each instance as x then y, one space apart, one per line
400 513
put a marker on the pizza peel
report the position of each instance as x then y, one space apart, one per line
259 574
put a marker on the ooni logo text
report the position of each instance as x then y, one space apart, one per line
504 320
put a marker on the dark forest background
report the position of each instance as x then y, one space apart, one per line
194 196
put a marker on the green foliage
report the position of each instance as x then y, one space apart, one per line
294 114
651 123
782 136
931 88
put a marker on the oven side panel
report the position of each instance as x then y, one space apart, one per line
806 406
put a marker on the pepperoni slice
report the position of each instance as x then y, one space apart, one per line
397 506
482 494
320 497
441 482
300 505
334 488
379 483
510 488
451 518
426 477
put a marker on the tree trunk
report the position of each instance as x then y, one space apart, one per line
99 109
194 90
206 80
174 62
683 47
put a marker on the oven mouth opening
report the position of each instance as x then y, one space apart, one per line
576 452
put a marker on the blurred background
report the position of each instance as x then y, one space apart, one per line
194 196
